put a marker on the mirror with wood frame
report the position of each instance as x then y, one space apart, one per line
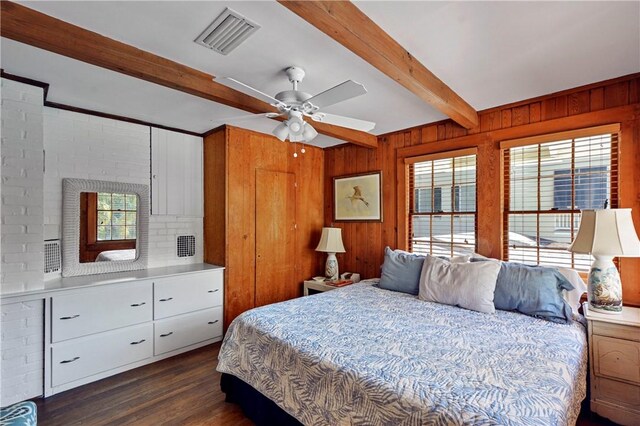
108 226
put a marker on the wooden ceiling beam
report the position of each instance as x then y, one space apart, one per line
349 26
37 29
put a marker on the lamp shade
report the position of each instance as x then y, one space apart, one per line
309 133
281 131
607 232
331 241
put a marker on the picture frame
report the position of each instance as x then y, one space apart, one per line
358 197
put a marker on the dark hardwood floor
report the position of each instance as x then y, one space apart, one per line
183 390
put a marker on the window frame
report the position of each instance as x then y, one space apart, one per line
88 245
614 184
94 205
456 192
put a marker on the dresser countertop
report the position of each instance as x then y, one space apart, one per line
69 283
629 315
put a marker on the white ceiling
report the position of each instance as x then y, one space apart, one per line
494 53
490 53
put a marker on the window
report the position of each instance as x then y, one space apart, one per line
428 199
442 203
590 187
116 215
546 186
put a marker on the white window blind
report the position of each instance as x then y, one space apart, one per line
546 186
442 204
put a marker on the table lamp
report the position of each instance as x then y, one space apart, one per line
606 234
331 243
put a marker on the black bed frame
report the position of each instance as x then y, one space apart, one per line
257 407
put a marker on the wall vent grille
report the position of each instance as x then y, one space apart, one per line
227 32
52 260
186 245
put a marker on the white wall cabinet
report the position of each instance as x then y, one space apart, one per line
176 174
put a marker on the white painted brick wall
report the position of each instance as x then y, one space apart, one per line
78 146
88 147
22 353
21 217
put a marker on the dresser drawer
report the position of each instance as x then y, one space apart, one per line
615 330
184 330
79 358
616 358
96 310
616 392
186 293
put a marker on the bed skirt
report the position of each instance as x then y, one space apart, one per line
260 409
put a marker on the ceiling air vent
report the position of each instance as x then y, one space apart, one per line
227 32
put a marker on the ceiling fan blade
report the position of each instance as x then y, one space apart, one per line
343 91
338 120
244 88
246 117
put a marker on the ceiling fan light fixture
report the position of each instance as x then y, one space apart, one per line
309 133
295 123
281 131
295 127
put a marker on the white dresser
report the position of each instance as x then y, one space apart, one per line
614 364
100 325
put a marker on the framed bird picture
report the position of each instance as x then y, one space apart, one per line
358 197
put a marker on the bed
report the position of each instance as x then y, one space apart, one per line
113 255
364 355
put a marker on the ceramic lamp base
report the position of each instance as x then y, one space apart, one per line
605 290
331 267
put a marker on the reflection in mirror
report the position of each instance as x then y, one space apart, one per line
108 226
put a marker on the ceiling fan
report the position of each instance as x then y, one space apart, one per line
295 105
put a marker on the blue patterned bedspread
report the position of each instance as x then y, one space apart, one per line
361 355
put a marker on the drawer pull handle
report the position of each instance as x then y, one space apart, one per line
167 299
213 291
138 304
213 322
167 334
138 342
68 318
67 361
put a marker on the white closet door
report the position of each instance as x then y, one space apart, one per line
193 176
176 153
177 174
158 172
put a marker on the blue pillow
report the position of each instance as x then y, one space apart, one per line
401 271
532 290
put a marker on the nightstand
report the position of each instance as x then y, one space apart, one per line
313 287
614 364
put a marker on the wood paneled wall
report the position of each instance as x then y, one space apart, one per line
612 101
232 157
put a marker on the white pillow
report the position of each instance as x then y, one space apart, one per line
579 287
468 285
